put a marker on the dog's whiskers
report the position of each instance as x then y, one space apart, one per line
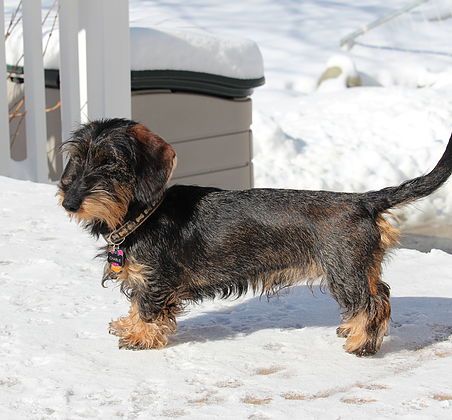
98 190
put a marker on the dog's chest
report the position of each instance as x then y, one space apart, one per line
121 266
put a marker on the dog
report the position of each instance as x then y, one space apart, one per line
170 246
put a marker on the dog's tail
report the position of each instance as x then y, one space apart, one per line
413 189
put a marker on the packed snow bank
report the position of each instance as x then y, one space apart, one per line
412 50
168 49
230 359
340 74
357 140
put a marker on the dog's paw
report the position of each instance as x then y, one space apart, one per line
113 328
124 344
368 349
143 337
342 332
364 352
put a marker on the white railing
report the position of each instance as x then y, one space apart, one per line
94 75
348 41
4 118
34 92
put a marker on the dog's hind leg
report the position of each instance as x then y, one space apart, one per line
364 297
366 328
354 279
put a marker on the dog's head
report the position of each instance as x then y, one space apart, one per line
111 164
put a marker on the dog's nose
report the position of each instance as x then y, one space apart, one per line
71 203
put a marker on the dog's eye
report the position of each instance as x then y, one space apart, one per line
108 162
105 161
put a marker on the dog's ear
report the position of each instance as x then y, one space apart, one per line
156 161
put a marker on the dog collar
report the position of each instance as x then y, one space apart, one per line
118 236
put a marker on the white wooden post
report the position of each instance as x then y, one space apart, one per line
94 74
82 72
106 24
5 155
91 44
35 118
69 67
117 94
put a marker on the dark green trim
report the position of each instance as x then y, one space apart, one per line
194 82
52 77
176 80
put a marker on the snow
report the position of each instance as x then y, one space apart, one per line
195 51
357 140
166 49
347 71
412 50
393 128
250 358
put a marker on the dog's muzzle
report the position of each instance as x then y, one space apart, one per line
72 202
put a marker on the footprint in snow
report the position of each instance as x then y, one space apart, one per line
230 383
205 398
273 346
268 370
416 404
173 413
372 387
254 400
357 400
9 382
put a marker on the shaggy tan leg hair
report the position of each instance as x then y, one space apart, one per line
365 334
365 330
134 333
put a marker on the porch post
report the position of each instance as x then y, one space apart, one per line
5 156
35 117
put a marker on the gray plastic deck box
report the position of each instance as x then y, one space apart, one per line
206 118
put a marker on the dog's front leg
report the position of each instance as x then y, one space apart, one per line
136 333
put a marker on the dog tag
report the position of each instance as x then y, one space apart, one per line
116 258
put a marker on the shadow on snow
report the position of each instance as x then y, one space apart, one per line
416 322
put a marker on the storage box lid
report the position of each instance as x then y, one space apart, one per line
194 61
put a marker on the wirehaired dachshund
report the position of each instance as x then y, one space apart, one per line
169 246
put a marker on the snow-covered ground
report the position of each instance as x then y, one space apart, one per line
252 358
239 359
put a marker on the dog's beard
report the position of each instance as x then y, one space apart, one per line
102 206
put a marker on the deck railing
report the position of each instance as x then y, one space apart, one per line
94 75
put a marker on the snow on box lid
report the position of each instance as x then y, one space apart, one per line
172 59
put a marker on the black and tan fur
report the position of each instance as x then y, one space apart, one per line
202 243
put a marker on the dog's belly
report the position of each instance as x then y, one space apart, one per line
263 260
